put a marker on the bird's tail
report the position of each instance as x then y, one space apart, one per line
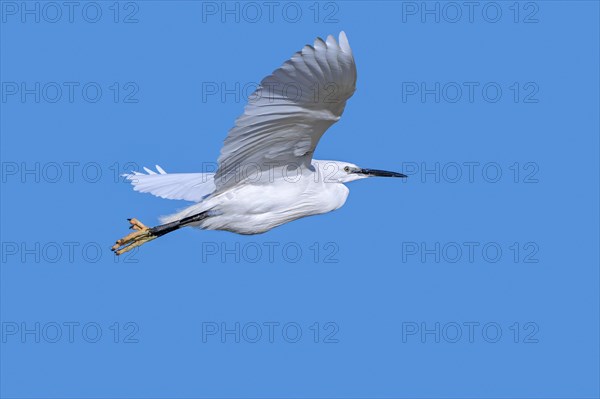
177 186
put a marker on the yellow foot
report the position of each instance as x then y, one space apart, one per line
133 240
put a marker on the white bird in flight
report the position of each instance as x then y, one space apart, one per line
266 173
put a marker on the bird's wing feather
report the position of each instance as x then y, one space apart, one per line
177 186
290 110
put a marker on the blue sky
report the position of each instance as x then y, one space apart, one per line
475 277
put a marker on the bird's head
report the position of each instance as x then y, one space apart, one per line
345 172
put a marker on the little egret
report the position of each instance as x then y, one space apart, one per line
266 175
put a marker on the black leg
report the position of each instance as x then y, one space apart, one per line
169 227
144 234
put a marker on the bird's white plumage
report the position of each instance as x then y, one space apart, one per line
289 112
256 208
278 129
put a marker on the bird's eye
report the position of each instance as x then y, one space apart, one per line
347 169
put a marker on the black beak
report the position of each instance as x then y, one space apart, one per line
381 173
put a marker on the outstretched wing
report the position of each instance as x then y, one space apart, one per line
290 110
